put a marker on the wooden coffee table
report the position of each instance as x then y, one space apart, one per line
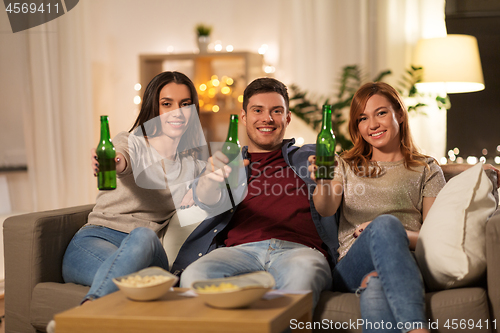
175 313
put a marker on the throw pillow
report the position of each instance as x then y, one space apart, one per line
451 249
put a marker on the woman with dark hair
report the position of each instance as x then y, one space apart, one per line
386 188
155 165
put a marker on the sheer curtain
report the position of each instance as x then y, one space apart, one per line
57 121
317 38
320 37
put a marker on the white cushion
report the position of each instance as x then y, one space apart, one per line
451 249
181 225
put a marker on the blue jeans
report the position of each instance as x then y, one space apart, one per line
98 254
293 266
397 295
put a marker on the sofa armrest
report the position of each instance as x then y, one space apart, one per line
34 245
493 265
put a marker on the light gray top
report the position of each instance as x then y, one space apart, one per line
148 190
396 191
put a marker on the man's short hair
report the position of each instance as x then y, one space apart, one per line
265 85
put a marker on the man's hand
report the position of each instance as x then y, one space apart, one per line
208 189
217 168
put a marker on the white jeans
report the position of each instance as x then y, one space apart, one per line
294 266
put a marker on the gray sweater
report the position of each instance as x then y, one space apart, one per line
147 191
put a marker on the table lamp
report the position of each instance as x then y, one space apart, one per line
450 64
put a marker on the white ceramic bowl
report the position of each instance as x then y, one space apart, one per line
251 287
147 293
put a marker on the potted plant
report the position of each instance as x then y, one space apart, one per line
203 33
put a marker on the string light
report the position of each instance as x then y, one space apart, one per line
471 160
217 94
137 87
269 69
263 49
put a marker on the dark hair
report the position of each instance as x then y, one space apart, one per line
265 85
360 154
150 109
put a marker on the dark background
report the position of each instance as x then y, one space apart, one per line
474 118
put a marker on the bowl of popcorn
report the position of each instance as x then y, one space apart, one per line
235 291
146 285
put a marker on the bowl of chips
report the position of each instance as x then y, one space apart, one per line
235 291
146 285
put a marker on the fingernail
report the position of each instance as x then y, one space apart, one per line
360 230
95 157
182 207
95 174
96 164
118 159
354 235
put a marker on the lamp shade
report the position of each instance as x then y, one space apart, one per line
450 64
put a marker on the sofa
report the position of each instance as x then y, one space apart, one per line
35 244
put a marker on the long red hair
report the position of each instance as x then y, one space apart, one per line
359 156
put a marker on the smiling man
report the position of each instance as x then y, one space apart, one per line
275 227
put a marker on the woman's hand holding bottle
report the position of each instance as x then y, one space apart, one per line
327 194
121 164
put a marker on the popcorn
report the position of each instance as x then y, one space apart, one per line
223 286
144 281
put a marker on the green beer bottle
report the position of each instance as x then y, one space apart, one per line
231 149
106 177
325 146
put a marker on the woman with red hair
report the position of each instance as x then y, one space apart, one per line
385 187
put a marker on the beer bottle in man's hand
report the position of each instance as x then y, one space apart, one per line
106 177
231 149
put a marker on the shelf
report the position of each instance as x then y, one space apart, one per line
242 67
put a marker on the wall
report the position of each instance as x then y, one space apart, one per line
119 31
474 118
14 97
308 43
